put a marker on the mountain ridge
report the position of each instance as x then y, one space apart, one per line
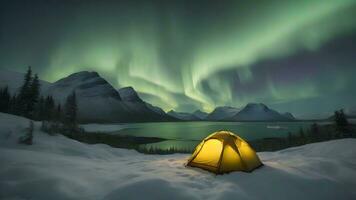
259 112
99 101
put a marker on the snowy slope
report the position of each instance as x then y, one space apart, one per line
14 80
55 167
222 112
258 112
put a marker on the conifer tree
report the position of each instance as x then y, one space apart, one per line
13 105
49 107
314 132
39 109
301 135
24 95
58 113
34 92
4 99
341 121
290 138
70 113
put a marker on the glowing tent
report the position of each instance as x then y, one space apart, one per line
223 152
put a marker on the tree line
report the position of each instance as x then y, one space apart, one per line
30 103
340 128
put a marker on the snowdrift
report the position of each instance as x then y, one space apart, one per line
55 167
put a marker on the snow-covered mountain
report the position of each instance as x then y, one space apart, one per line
222 112
183 116
85 84
98 101
14 81
259 112
197 115
252 112
129 95
200 114
289 115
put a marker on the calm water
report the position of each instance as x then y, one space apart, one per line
187 135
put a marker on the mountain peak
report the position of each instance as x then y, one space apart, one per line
260 112
129 94
183 115
85 84
200 114
256 105
222 112
83 75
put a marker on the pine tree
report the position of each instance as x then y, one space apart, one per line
314 132
290 138
58 113
70 115
341 121
4 100
34 92
340 118
13 105
49 107
301 135
40 108
23 98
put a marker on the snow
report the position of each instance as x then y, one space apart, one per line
56 167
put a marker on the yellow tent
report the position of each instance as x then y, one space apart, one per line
223 152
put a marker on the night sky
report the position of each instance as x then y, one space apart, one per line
297 56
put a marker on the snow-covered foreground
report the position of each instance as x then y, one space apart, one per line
55 167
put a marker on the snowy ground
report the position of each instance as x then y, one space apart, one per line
55 167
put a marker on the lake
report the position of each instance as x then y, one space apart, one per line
186 135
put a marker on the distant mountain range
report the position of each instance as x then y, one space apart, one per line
100 102
259 112
222 112
251 112
197 115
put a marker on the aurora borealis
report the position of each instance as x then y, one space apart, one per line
297 56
